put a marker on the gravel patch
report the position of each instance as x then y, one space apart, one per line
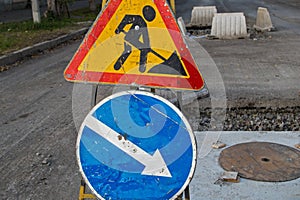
253 119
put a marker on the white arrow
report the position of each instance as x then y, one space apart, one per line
154 164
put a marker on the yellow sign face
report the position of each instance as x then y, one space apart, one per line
109 46
139 39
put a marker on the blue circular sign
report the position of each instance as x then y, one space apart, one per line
136 145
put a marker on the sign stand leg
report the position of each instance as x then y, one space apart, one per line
94 95
82 190
179 100
82 194
186 194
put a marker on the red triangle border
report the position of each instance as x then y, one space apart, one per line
194 82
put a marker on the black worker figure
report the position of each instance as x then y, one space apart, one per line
137 31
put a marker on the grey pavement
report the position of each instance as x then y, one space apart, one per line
208 170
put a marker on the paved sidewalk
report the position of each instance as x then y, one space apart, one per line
208 170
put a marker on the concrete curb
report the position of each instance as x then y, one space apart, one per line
13 57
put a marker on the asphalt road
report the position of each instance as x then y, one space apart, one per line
263 71
285 14
37 130
38 135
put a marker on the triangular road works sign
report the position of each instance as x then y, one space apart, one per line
135 42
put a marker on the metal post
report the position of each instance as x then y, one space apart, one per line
152 90
82 194
179 100
187 193
187 189
94 95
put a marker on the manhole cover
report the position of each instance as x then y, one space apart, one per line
262 161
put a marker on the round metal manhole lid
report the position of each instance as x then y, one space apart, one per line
262 161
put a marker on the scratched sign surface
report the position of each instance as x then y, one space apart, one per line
135 42
136 145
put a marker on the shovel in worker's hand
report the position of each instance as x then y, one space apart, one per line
172 65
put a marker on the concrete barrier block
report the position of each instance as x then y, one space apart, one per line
202 15
263 20
182 26
229 26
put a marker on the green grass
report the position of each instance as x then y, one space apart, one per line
30 26
17 35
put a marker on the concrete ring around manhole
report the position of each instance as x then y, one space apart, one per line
262 161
